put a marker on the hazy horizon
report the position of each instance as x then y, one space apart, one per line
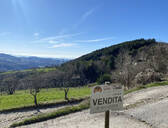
43 56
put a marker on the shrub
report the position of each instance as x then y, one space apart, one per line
147 76
103 78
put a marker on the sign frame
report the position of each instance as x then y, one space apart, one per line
106 97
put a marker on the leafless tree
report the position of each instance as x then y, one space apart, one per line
158 58
127 69
10 83
65 81
34 84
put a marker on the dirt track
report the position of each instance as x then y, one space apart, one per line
6 119
146 109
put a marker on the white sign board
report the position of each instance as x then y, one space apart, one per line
106 97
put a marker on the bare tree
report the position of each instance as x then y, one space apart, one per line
158 58
66 90
10 83
65 81
127 69
1 87
34 84
2 90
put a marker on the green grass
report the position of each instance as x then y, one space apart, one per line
23 98
157 84
68 110
30 70
147 86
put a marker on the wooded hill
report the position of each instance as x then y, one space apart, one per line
131 63
123 61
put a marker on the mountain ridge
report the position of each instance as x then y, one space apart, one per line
10 62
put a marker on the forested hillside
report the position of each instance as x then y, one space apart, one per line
131 63
127 61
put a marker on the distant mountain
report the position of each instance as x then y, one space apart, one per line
9 62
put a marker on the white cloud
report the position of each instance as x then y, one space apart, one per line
63 45
61 36
95 40
55 39
84 17
87 14
36 34
52 42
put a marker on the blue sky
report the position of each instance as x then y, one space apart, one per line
71 28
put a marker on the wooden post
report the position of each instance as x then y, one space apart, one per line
107 117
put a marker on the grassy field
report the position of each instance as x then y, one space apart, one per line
30 70
23 98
